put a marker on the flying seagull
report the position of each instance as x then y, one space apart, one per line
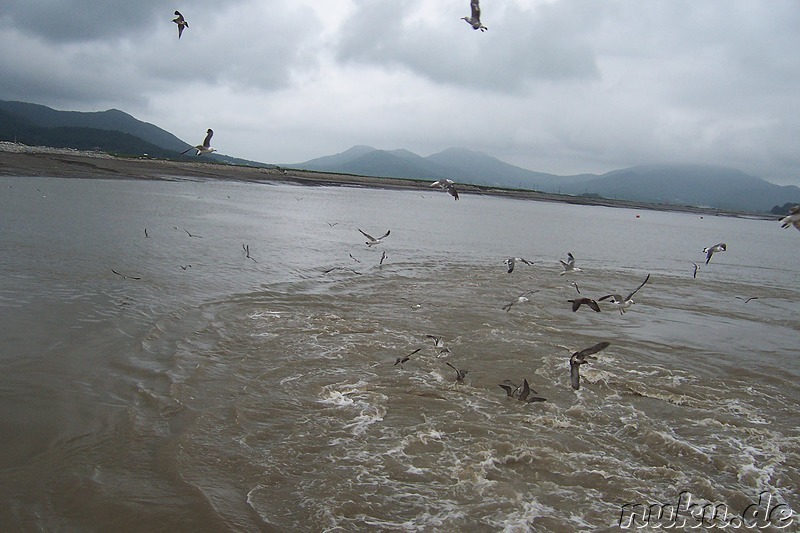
181 22
475 19
577 302
747 300
511 389
623 303
447 185
525 392
521 392
511 261
793 219
372 240
438 342
204 148
569 266
521 299
580 358
721 247
696 268
460 374
574 284
404 359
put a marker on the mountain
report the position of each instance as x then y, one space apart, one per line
14 128
694 185
111 131
113 119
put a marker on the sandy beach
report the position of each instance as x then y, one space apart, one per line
22 160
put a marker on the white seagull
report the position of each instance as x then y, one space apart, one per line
793 219
569 266
521 299
696 268
181 22
721 247
623 303
204 148
580 358
372 240
475 19
447 185
511 261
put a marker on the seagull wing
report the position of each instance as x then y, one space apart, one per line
571 259
592 350
510 263
526 390
207 140
385 235
508 388
637 288
368 236
458 372
453 192
188 150
476 9
616 297
575 375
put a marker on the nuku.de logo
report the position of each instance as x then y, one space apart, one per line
767 512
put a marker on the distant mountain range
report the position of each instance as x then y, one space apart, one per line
694 185
117 132
112 131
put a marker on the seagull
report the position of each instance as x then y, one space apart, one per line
625 303
569 266
574 284
246 248
577 302
124 276
512 260
511 389
372 240
747 300
721 247
437 341
792 219
521 392
525 392
331 224
341 268
580 358
146 236
460 374
447 185
475 19
383 256
521 299
353 258
404 359
181 22
204 148
696 268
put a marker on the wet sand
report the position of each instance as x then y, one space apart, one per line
21 160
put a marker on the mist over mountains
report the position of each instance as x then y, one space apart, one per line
117 132
695 185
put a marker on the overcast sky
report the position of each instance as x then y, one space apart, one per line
559 86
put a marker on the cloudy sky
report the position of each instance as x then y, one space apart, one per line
560 86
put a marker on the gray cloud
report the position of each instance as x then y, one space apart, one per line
560 86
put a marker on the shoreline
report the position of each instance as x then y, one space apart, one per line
36 161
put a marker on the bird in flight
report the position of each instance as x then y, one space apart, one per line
696 268
460 374
204 148
623 303
447 185
721 247
405 358
580 358
748 299
521 299
578 302
475 19
372 240
792 219
181 22
569 266
511 261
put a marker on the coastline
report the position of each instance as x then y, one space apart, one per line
38 161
